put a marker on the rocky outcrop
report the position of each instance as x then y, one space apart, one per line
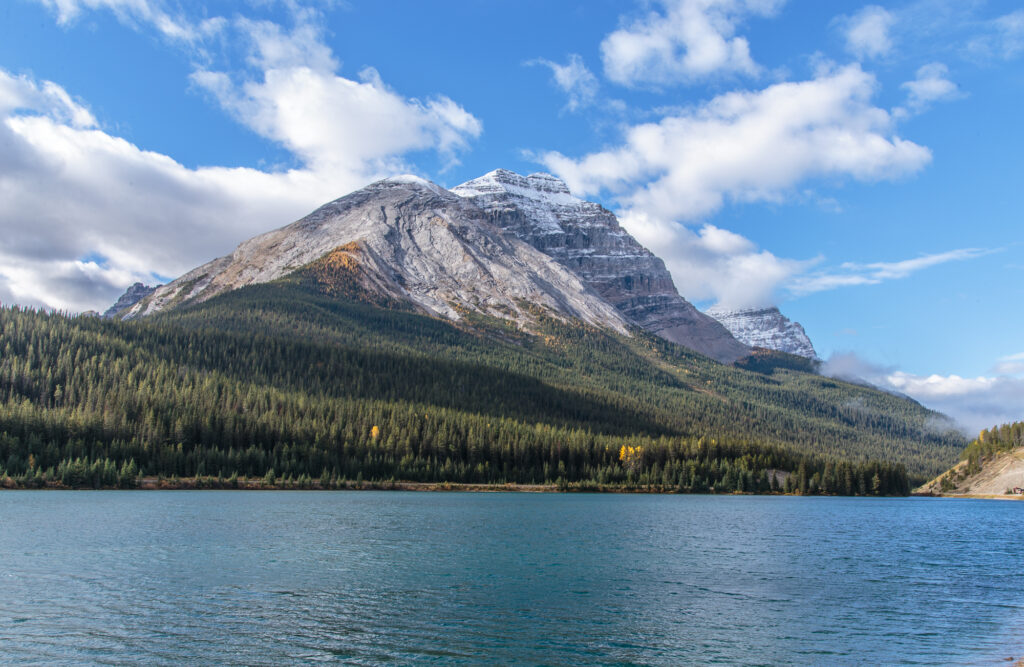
999 475
132 296
405 239
586 238
767 328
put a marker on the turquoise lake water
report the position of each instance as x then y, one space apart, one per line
457 578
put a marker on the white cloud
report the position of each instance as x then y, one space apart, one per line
1002 38
712 263
574 79
690 40
715 263
124 214
932 84
851 273
1010 365
975 403
744 147
867 32
333 124
748 146
141 211
134 12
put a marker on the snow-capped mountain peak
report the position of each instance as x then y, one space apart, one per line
767 328
586 238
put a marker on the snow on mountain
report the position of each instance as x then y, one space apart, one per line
587 239
408 239
767 328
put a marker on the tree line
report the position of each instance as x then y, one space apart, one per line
329 392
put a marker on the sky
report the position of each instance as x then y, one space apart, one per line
856 164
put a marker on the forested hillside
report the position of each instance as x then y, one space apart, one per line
287 382
992 463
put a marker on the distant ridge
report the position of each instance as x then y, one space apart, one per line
767 328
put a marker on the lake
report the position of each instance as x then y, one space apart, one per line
460 578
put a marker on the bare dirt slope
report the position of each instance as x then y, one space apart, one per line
998 473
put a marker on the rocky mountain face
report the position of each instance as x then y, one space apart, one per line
767 328
587 239
409 240
132 296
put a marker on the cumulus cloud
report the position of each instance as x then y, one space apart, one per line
574 79
142 212
932 84
975 403
851 273
868 32
689 40
748 146
127 214
333 124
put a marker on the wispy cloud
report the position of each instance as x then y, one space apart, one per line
1001 38
1012 364
139 12
574 79
851 273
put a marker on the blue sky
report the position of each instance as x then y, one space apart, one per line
855 163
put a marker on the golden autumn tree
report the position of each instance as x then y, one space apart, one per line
631 456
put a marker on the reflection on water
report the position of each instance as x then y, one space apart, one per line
369 577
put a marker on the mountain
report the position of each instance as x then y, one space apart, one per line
132 296
407 332
587 239
406 241
767 328
324 384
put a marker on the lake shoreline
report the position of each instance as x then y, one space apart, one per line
261 484
972 496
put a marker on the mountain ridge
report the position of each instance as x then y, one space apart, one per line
502 245
415 242
587 239
766 327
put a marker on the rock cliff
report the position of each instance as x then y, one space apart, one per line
407 239
132 296
587 239
767 328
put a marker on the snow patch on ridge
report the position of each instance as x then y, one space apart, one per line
767 328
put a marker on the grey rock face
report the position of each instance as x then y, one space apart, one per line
587 239
767 328
132 296
413 241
